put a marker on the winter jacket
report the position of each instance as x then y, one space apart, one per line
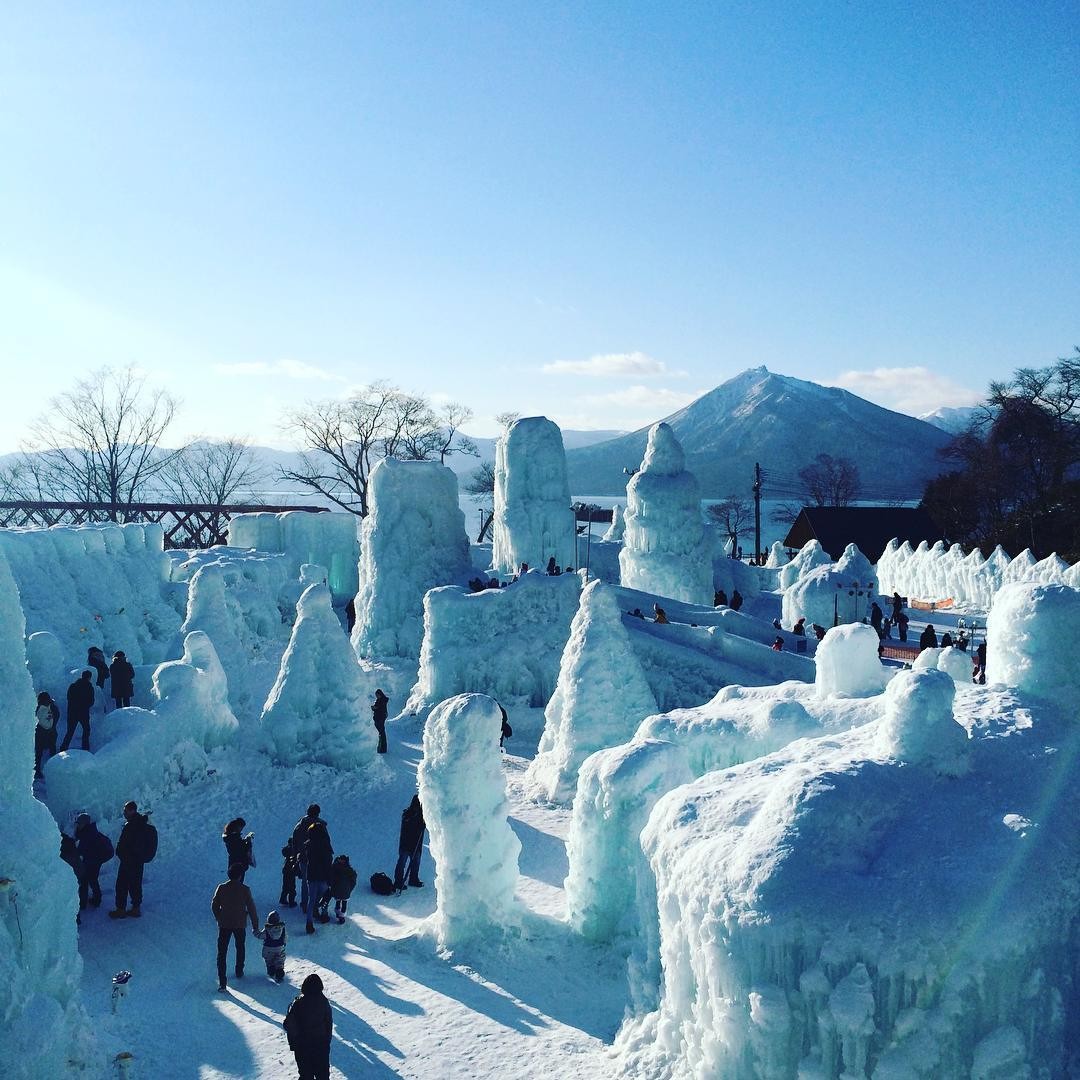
928 639
342 879
319 853
80 700
94 846
47 716
96 659
299 838
237 847
131 845
274 938
412 828
232 905
378 708
309 1024
123 678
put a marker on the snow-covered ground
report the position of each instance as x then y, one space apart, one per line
515 1006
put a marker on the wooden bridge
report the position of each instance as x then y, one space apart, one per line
186 525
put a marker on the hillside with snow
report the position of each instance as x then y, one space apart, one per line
783 423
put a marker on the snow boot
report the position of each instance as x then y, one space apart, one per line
310 927
416 884
118 913
341 920
222 988
135 913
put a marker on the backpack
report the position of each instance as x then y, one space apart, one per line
381 885
148 843
48 721
104 850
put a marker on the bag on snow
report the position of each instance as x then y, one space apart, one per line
381 884
149 843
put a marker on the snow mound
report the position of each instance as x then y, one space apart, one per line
504 642
319 707
777 556
328 539
842 591
810 556
42 1022
599 700
140 753
463 793
811 926
533 519
615 530
1030 640
104 585
919 727
665 549
847 662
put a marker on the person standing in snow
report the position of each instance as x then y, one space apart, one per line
342 883
238 848
320 861
95 849
289 870
123 680
928 638
233 905
876 615
96 659
80 700
134 850
274 937
378 716
309 1027
299 842
47 716
978 670
897 606
800 627
736 600
902 621
410 845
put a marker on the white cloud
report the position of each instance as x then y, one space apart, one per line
609 365
289 369
654 399
911 390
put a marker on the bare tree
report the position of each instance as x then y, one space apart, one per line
98 442
482 480
213 473
830 481
733 513
507 418
344 440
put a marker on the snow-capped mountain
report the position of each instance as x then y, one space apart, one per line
950 419
783 423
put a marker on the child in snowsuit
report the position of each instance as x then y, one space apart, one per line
274 938
289 870
342 883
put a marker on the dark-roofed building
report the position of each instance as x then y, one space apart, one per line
869 528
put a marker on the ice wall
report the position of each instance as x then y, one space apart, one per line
664 540
463 793
49 669
43 1030
615 530
328 539
103 585
533 519
319 708
237 599
809 925
141 753
413 539
600 698
504 642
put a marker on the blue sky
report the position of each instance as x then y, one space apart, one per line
592 211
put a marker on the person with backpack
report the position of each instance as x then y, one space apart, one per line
95 849
342 883
238 848
298 841
123 680
320 861
47 716
136 847
410 845
289 871
80 700
378 716
274 937
232 905
309 1027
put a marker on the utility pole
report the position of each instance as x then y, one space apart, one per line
757 511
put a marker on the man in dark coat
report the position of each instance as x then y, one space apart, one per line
320 862
897 606
80 700
876 616
928 638
378 715
298 840
95 849
131 851
309 1027
901 625
410 845
123 680
232 906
